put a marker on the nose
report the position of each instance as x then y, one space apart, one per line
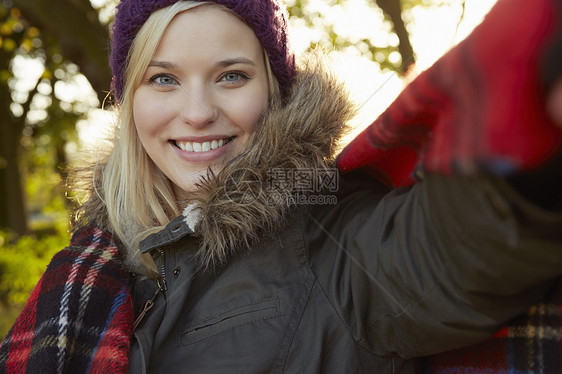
197 109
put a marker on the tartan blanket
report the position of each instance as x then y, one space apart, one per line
79 317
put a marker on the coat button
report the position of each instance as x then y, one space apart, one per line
177 272
176 228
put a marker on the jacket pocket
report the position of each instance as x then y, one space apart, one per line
228 320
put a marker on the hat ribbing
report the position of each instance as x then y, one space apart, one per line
266 17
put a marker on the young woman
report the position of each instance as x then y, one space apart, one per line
219 238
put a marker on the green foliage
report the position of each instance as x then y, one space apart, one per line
21 265
409 4
388 55
23 262
8 314
332 39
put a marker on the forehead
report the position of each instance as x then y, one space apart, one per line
208 27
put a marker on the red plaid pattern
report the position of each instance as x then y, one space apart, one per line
79 317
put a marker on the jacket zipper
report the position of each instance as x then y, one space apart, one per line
162 287
147 306
161 281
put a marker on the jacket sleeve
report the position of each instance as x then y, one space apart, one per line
437 266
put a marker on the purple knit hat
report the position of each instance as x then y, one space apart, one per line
266 17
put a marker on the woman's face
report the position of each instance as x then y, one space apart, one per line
201 96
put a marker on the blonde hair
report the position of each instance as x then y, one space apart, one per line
138 197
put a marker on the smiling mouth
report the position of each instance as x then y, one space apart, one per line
202 147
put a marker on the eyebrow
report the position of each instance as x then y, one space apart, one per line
234 61
161 64
223 63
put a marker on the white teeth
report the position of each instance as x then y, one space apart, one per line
201 147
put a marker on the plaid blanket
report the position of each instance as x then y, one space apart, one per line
79 317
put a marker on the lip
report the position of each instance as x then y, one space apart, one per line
208 156
201 139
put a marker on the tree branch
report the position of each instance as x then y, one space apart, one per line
393 9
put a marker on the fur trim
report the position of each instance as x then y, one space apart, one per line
236 208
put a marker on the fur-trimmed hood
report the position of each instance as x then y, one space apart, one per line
233 210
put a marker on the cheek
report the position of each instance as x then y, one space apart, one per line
148 113
250 110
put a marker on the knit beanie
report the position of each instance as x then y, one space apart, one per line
267 18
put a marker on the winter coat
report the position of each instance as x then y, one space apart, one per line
355 287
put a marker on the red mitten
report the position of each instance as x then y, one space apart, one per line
481 106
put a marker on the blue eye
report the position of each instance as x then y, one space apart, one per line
234 77
163 80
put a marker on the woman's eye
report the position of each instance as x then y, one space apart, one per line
162 80
234 77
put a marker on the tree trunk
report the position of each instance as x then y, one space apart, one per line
393 9
12 209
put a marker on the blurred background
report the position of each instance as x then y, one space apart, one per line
54 77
